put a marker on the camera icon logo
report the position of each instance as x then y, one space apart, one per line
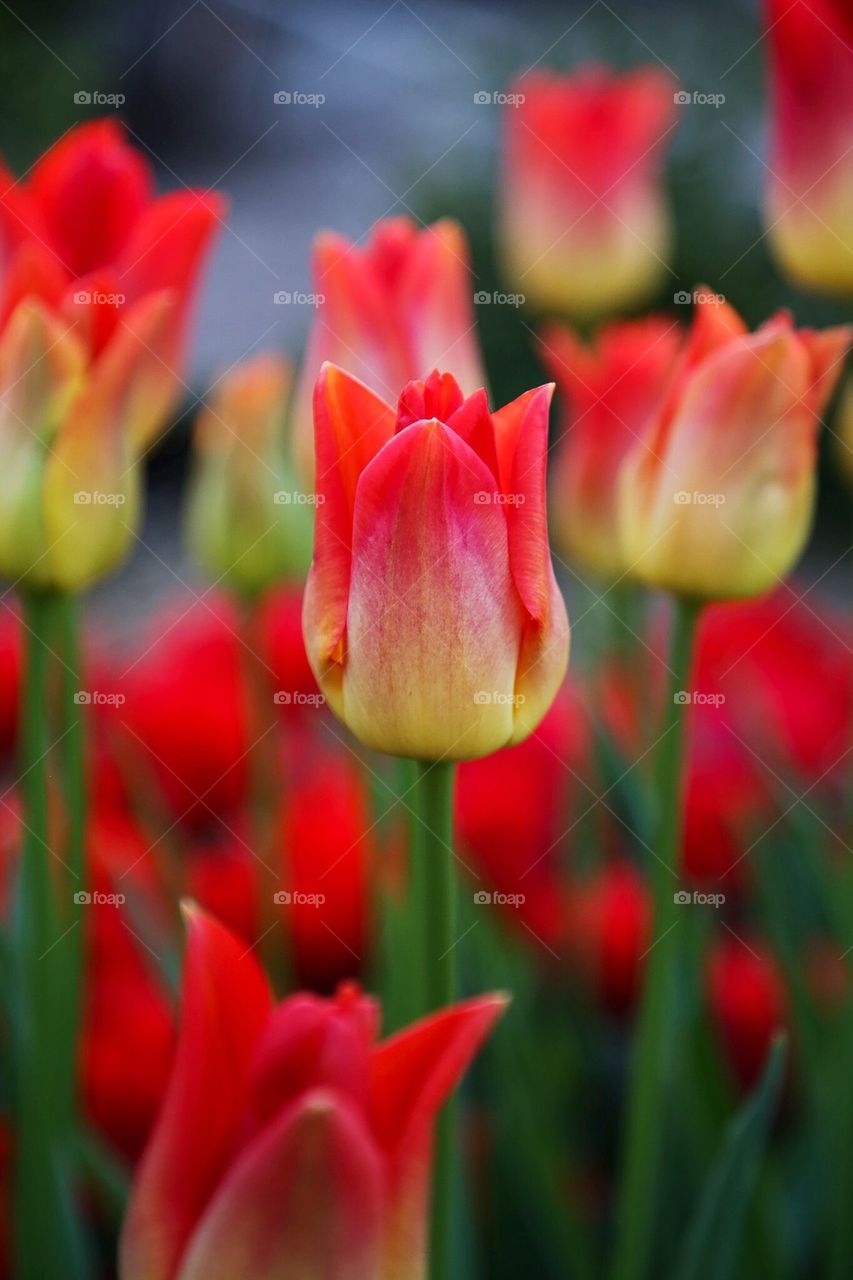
82 898
82 698
282 697
681 98
682 698
282 898
682 498
482 297
681 898
482 98
82 298
482 898
282 98
82 97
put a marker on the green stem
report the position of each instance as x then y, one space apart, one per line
655 1047
38 1090
433 890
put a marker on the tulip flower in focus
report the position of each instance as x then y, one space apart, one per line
610 389
810 173
390 310
433 621
716 501
585 227
290 1141
248 523
748 1003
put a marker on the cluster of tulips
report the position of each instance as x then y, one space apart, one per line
355 759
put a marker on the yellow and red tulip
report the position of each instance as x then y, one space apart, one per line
389 311
249 525
433 621
610 388
810 175
716 501
584 223
290 1141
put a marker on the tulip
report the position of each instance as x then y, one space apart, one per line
585 227
610 388
290 1142
716 501
433 621
85 233
810 175
609 933
390 311
748 1004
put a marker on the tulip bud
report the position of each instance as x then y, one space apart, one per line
248 524
716 501
810 175
610 388
748 1004
433 621
389 310
585 227
69 492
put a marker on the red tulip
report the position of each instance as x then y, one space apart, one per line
391 310
584 223
84 232
810 175
512 809
716 501
608 932
289 1140
433 621
610 389
748 1003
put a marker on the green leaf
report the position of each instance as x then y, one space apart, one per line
710 1249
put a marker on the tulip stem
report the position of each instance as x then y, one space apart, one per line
433 879
41 1086
655 1048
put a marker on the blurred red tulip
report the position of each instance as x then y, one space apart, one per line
433 620
748 1003
511 811
289 1139
84 232
810 175
585 227
389 311
11 670
608 931
610 388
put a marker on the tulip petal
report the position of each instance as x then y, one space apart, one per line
225 1003
431 581
303 1200
90 188
413 1074
351 425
